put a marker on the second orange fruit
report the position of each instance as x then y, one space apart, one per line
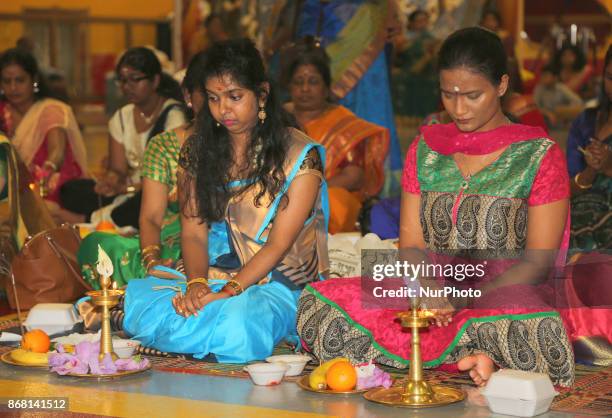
36 340
341 376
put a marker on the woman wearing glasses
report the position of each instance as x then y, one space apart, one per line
154 105
158 239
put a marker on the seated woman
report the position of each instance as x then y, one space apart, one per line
414 78
155 105
479 185
589 161
23 212
574 71
355 149
247 167
43 130
159 238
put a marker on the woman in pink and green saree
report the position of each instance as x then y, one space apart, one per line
481 188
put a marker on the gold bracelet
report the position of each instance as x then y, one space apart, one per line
581 186
149 257
235 286
202 280
151 263
150 248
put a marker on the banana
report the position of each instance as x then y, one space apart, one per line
29 357
317 379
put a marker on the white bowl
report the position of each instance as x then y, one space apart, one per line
296 362
267 374
125 348
53 318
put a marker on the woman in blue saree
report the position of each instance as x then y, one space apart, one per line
245 166
355 34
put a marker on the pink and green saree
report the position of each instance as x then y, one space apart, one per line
483 214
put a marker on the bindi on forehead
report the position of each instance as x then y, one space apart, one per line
222 84
308 70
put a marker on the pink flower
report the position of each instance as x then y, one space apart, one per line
72 366
370 376
59 359
133 363
108 366
86 350
85 360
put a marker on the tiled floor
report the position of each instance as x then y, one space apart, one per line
159 394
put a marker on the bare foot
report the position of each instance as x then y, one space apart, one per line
480 366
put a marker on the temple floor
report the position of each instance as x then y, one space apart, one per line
161 394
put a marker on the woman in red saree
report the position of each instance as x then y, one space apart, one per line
43 130
355 149
481 187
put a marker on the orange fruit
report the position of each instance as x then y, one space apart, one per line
105 226
341 376
36 340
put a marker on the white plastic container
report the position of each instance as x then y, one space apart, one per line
519 393
125 348
266 374
53 318
296 362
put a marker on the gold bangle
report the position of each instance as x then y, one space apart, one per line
235 286
581 186
152 262
202 280
150 248
149 257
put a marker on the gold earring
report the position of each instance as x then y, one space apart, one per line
262 115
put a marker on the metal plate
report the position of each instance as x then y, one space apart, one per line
109 376
8 359
443 395
303 383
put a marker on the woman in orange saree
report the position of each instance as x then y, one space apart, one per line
355 149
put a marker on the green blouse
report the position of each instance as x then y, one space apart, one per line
160 163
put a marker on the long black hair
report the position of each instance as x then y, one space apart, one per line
209 154
194 79
194 76
478 50
605 105
144 60
580 61
28 63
